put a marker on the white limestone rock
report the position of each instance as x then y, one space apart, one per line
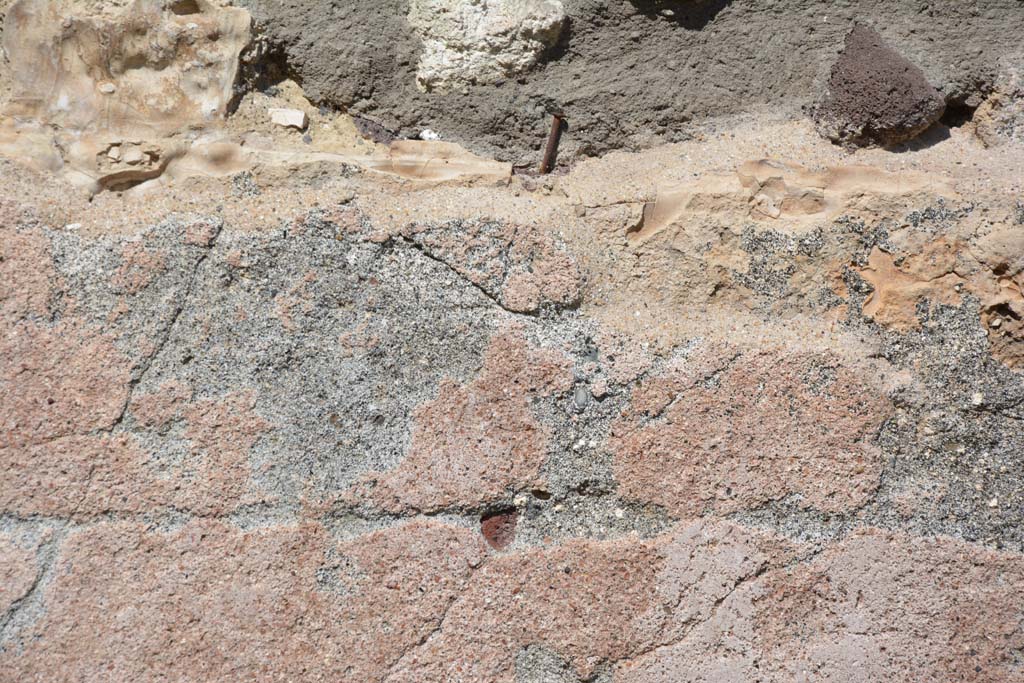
467 42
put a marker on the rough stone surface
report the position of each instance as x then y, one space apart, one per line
62 381
334 445
208 598
743 407
703 601
519 266
18 573
1000 117
474 445
177 66
632 73
728 431
875 606
875 95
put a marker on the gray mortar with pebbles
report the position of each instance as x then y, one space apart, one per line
955 442
338 412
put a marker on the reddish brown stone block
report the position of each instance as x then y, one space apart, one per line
211 602
402 581
423 601
592 602
25 271
79 476
582 600
84 475
725 431
58 381
897 608
877 606
221 433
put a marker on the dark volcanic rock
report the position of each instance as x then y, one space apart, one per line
875 95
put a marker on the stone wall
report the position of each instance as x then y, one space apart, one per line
281 402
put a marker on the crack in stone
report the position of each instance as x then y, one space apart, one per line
652 374
693 623
46 558
437 629
169 329
85 492
434 257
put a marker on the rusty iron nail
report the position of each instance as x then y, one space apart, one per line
551 151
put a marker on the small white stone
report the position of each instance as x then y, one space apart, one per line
619 512
288 118
994 503
429 135
996 322
108 88
133 156
977 398
114 153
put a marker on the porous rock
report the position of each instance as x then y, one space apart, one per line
875 95
728 431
